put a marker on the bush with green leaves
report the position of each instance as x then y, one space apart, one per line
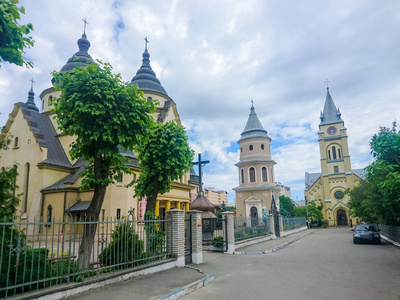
125 249
218 242
155 235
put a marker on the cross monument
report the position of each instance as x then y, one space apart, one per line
201 164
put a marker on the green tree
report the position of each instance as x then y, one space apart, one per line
164 156
378 198
286 206
314 212
14 38
102 112
300 211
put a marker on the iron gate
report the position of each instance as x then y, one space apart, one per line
188 240
213 227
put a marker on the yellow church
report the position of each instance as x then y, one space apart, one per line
49 180
327 187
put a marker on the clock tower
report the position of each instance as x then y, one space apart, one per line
327 188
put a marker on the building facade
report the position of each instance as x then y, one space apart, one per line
284 190
216 197
327 187
256 171
49 179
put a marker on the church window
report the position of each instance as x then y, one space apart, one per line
264 174
103 214
329 154
26 188
120 177
251 147
149 99
118 213
50 100
334 152
16 143
262 146
241 149
242 175
252 172
49 214
338 150
339 195
335 169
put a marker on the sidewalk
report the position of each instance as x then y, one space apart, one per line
173 283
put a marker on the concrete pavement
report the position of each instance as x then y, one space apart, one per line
176 282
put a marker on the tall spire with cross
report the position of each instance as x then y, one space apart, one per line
30 103
146 41
330 114
84 25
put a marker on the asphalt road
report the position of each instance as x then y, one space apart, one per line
323 265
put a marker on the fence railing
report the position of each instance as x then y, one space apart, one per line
292 223
246 228
391 232
50 256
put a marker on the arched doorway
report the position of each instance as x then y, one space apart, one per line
341 218
254 216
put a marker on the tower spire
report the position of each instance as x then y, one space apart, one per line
330 114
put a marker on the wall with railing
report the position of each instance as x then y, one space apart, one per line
391 232
51 257
246 228
293 223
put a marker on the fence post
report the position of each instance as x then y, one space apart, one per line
197 236
230 239
176 235
272 226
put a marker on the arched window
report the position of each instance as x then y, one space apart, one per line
252 172
334 152
50 100
26 188
16 142
264 174
149 98
49 215
242 175
329 154
262 146
251 147
241 149
339 154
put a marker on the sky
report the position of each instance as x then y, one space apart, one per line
214 57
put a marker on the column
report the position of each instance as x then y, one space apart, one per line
197 236
272 226
176 235
157 210
167 205
187 206
230 230
178 205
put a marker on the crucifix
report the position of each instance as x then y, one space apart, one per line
201 164
32 82
327 83
84 26
147 41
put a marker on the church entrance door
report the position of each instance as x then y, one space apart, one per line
254 216
341 218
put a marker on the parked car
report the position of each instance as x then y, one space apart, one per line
366 233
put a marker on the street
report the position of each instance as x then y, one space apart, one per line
322 265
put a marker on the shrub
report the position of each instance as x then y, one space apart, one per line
324 223
218 242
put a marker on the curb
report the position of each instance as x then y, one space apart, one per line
191 287
390 241
276 248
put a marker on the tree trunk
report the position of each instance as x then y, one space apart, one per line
151 201
92 217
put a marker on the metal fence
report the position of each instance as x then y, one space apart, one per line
391 232
292 223
50 256
246 228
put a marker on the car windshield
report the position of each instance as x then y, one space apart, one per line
366 227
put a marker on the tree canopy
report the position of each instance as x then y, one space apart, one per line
103 113
14 38
164 156
286 206
378 198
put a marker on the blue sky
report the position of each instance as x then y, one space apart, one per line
214 57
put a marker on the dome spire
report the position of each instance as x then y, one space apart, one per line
30 103
253 126
145 77
82 57
330 114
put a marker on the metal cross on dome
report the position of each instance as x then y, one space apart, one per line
32 82
327 83
147 41
84 26
201 164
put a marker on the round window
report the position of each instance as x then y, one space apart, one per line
339 195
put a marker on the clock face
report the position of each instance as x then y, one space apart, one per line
331 130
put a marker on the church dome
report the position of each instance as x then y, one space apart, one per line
30 103
80 58
253 127
145 77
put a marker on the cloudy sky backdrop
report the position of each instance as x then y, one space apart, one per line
213 57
